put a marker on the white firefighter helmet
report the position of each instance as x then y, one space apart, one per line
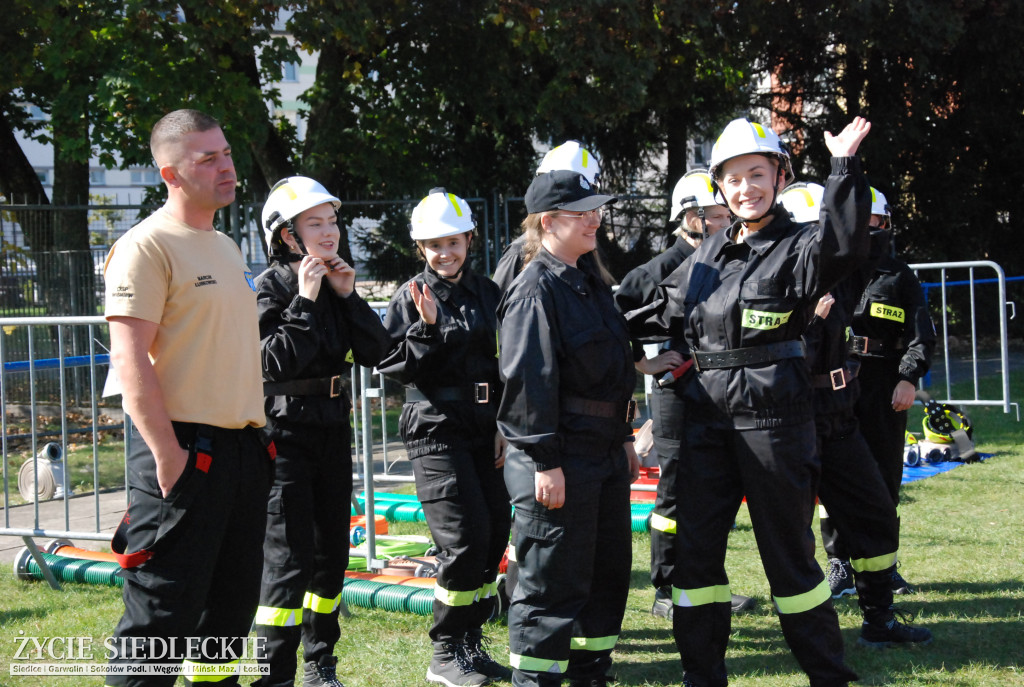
879 205
289 198
742 137
803 201
440 214
694 190
572 156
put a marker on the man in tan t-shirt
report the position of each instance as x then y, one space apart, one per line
184 342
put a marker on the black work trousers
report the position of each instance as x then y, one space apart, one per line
888 428
574 566
858 506
667 413
306 549
467 510
206 539
778 471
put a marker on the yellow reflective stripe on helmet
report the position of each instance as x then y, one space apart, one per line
209 672
538 665
763 319
702 596
320 604
453 598
822 513
663 524
454 200
758 128
874 564
803 602
888 312
278 617
593 643
583 154
874 194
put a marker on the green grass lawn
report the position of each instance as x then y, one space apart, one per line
962 548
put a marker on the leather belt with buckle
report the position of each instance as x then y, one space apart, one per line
835 379
750 355
319 386
478 392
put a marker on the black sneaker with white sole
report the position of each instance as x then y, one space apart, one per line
840 578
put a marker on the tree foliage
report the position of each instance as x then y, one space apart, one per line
411 94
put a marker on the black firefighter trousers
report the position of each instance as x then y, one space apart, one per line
858 506
777 470
574 566
466 507
667 413
306 550
200 587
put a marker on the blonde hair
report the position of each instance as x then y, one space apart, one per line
533 232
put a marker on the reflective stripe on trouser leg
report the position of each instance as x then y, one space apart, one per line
554 602
319 604
466 507
278 617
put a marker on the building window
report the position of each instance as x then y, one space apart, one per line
145 177
44 176
289 72
97 177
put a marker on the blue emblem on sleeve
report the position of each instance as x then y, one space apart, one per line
249 281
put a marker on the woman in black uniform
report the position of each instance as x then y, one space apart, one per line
569 380
443 331
741 304
312 326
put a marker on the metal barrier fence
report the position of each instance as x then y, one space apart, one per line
80 375
968 308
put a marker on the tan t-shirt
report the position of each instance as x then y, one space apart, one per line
197 287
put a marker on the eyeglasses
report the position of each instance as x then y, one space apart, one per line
597 214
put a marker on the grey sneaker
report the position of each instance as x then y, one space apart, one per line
840 578
322 673
663 605
452 666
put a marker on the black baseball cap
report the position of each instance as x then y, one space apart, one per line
563 190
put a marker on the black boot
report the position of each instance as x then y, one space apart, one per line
887 631
452 666
321 673
482 661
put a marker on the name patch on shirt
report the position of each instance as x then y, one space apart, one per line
761 319
205 280
888 312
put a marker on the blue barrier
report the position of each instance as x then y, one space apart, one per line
54 363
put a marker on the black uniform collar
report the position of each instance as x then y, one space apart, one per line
762 239
572 276
443 288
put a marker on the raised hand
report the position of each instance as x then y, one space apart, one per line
424 302
848 140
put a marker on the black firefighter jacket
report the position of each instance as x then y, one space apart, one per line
763 290
458 351
304 339
562 337
893 310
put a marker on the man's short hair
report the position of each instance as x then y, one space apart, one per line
174 126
